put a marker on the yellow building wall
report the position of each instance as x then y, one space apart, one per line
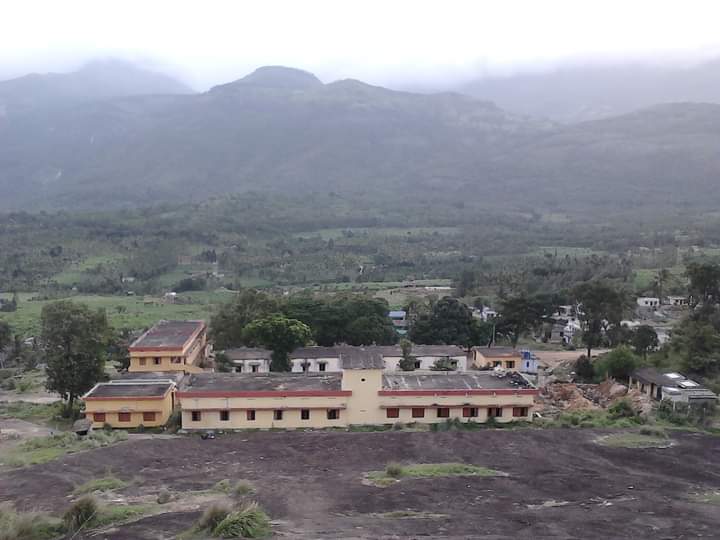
364 407
162 407
485 361
264 408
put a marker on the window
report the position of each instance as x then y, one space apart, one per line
196 416
148 417
497 363
224 416
305 366
124 417
520 411
470 412
322 366
278 414
99 417
143 361
254 368
176 360
238 369
250 415
418 412
495 412
454 364
333 414
304 414
510 364
157 360
417 364
443 412
393 412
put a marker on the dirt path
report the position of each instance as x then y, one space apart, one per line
560 484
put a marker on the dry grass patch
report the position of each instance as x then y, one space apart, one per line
635 440
394 472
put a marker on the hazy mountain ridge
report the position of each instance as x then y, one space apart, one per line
97 80
282 130
578 93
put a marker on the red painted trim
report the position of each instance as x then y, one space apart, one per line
294 408
271 394
451 406
499 392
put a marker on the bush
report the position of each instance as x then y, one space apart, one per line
174 423
164 497
621 409
652 431
223 486
243 488
248 522
394 470
27 526
81 513
682 414
398 426
212 517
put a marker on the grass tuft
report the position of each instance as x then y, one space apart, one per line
634 440
81 514
27 525
394 472
212 516
248 522
107 483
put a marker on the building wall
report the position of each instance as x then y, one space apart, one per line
162 408
187 359
362 403
392 363
263 365
486 360
332 364
264 407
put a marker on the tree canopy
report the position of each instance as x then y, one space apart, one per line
449 322
601 308
74 339
279 334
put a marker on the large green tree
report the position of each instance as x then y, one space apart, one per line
698 342
601 307
618 363
450 322
75 340
704 284
644 339
279 334
228 324
522 313
6 339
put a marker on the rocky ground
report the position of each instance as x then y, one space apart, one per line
560 484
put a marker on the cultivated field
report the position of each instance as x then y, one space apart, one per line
558 484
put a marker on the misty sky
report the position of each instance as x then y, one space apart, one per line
390 42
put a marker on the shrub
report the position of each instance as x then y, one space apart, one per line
106 483
174 423
243 488
81 513
652 431
398 426
222 486
27 526
248 522
621 409
394 470
212 516
164 497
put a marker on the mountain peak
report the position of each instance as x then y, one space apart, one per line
281 77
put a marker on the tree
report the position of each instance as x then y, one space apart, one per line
442 364
618 363
520 314
704 283
448 323
601 309
373 330
227 325
74 339
279 334
699 343
6 339
407 363
584 370
644 339
661 280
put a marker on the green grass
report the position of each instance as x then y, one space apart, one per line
634 440
27 525
43 449
708 497
328 234
106 483
395 472
115 514
123 311
47 414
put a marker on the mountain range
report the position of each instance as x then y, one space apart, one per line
117 136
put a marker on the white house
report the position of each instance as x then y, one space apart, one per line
249 359
648 302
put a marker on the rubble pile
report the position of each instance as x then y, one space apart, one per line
564 397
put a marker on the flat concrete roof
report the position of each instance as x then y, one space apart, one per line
129 390
248 353
383 350
361 358
447 380
149 376
497 351
168 335
262 382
